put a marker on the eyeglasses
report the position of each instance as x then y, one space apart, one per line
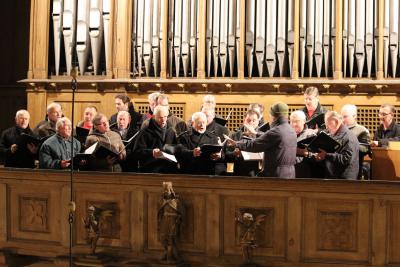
104 123
383 114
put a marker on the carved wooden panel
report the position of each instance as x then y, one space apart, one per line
271 233
394 232
192 231
176 108
336 229
115 208
35 213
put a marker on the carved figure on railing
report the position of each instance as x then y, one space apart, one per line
169 219
92 222
248 240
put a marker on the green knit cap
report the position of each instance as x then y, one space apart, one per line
279 109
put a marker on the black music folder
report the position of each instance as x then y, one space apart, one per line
81 134
265 127
221 121
95 151
305 142
33 139
208 149
325 142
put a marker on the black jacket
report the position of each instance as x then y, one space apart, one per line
188 141
391 134
279 145
344 163
22 158
149 138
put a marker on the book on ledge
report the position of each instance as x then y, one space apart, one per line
33 139
325 142
208 149
252 156
317 120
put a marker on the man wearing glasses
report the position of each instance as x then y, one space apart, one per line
388 129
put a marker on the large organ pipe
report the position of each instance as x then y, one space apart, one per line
238 31
82 34
223 38
310 34
290 37
270 47
209 28
333 30
326 36
57 27
185 35
156 34
231 34
250 22
386 38
215 34
319 23
171 33
360 35
194 6
376 33
106 25
134 37
260 35
394 33
68 31
147 32
345 34
281 35
96 32
303 32
369 33
351 39
139 36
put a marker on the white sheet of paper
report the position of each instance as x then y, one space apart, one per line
252 156
91 149
168 157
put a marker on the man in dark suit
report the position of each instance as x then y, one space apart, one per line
189 154
17 152
151 141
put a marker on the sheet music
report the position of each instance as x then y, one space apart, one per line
168 157
252 156
91 149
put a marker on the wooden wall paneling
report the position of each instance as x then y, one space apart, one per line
382 231
122 46
35 213
111 40
393 245
272 234
64 215
294 229
193 228
39 45
37 104
336 230
137 214
213 225
3 212
116 226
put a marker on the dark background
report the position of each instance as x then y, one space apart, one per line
14 61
